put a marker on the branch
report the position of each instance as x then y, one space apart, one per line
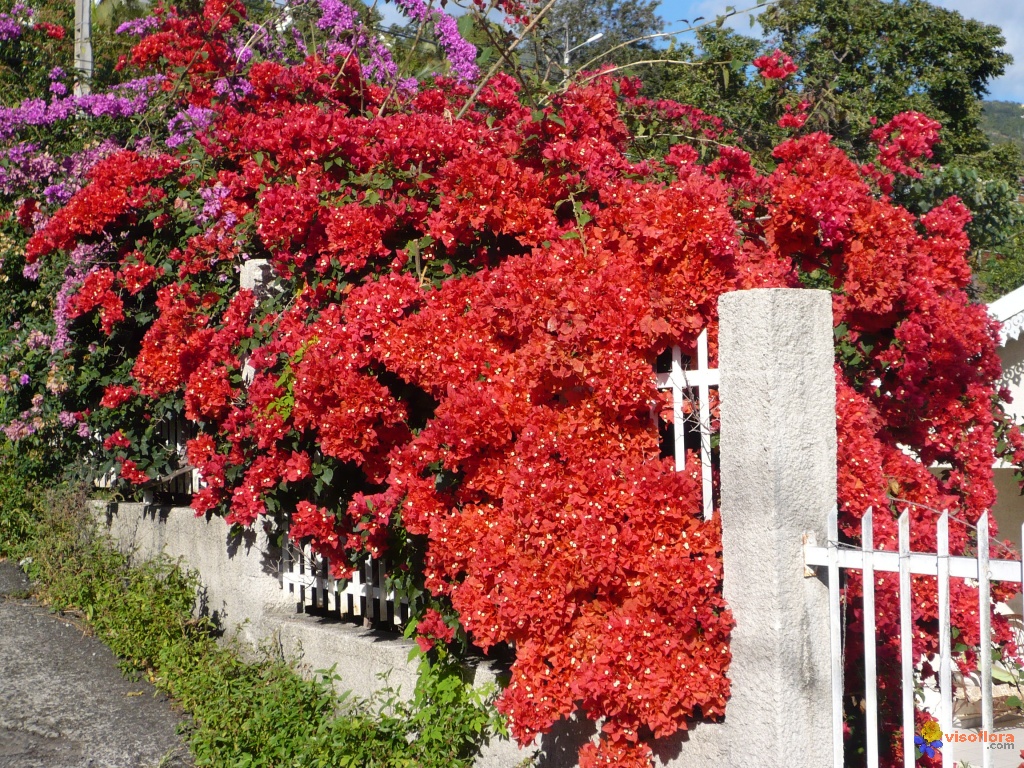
164 479
504 58
692 28
408 57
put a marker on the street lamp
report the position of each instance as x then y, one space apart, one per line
568 50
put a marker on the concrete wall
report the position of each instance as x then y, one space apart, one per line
778 481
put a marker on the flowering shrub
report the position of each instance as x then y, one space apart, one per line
453 362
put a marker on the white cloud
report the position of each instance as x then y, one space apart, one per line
1008 15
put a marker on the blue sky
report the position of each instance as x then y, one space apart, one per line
1007 14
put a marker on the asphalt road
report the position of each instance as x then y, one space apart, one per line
63 701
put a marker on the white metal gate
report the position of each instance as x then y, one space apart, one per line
981 568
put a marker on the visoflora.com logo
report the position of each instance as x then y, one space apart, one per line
990 740
928 740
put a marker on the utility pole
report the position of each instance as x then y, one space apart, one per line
83 47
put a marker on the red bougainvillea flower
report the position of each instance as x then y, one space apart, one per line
54 31
432 629
908 137
775 66
130 471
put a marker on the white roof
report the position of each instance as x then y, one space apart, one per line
1009 310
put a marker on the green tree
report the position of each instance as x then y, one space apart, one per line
864 58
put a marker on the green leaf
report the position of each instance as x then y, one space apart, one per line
582 216
1002 675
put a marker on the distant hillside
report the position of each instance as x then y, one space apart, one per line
1003 121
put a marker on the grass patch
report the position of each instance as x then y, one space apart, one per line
242 713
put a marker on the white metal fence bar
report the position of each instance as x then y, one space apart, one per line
920 563
906 640
836 637
173 433
985 635
382 595
705 423
945 653
870 644
702 379
677 409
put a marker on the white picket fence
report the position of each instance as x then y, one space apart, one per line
982 569
365 596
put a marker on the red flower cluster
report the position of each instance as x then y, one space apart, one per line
432 629
775 66
794 117
117 395
130 471
908 137
54 31
94 293
118 185
191 44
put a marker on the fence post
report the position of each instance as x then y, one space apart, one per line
83 47
254 276
778 454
